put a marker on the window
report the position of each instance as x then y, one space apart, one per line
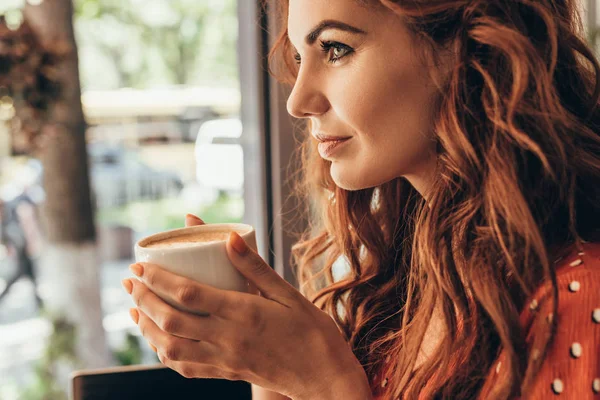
160 80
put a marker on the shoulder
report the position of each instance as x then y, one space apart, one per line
579 272
577 278
587 257
571 364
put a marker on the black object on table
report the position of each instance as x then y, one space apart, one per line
152 383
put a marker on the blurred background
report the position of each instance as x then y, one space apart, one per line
118 117
160 91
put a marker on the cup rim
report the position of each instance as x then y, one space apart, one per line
244 230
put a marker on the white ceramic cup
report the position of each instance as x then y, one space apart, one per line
204 262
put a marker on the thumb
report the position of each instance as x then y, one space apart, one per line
250 264
192 220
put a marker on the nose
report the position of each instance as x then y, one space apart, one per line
307 99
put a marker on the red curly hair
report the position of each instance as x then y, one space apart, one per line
519 179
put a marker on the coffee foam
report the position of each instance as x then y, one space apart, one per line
187 240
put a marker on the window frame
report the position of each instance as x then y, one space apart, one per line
268 141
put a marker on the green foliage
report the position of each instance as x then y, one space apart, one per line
168 213
131 352
148 42
44 387
60 350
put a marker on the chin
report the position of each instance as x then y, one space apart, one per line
352 180
351 187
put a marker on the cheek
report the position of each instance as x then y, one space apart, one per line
390 112
378 95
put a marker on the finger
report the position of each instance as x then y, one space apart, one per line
173 321
189 294
258 272
195 370
192 220
175 348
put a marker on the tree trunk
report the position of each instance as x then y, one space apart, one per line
69 263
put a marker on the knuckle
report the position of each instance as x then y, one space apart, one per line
187 371
137 295
187 295
170 324
258 264
142 328
150 276
172 350
255 318
142 295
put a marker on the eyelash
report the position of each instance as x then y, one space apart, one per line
326 47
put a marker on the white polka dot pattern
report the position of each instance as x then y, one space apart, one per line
576 263
533 305
574 286
558 386
566 370
576 350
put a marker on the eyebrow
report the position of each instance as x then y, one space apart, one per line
312 37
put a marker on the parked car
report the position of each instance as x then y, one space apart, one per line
219 156
119 177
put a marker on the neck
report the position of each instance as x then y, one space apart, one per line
423 177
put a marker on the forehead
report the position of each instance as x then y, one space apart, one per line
303 15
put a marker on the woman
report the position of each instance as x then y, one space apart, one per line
453 157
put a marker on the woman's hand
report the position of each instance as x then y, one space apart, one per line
278 340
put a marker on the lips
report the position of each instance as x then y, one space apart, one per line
328 148
327 138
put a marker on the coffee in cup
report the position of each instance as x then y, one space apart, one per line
188 240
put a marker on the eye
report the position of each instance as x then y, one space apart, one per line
335 50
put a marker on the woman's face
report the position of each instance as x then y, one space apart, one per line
362 78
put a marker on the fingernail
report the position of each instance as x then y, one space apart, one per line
154 349
192 216
238 244
136 269
128 285
134 314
